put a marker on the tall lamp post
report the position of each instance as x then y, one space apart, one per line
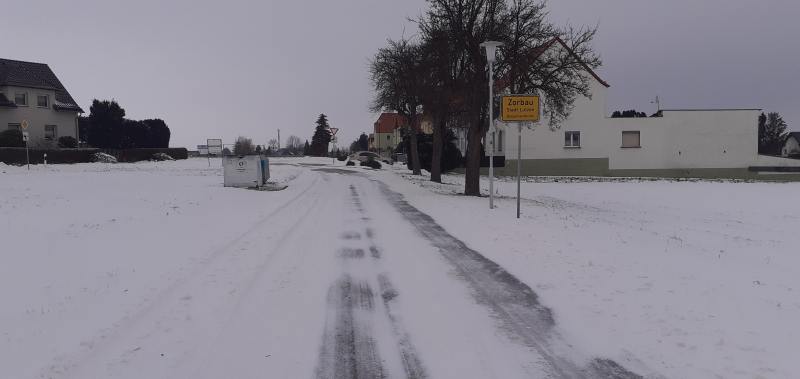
491 50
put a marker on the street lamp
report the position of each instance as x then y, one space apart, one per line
491 50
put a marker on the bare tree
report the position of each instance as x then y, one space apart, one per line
294 144
243 146
273 144
397 76
526 63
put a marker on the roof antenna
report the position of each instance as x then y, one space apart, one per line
657 102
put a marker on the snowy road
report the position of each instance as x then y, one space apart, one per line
344 279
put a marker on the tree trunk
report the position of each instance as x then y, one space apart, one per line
415 163
436 156
472 176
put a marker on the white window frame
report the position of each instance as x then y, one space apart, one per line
571 144
55 132
638 133
47 101
23 94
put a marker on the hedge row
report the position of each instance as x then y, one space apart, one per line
16 155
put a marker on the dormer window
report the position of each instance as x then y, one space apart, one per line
21 99
43 101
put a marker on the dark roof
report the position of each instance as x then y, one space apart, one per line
36 75
4 102
796 136
389 122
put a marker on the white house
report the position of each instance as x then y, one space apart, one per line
31 92
792 145
681 143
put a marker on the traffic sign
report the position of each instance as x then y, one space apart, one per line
333 131
24 124
520 108
214 146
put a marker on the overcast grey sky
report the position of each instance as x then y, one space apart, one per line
228 68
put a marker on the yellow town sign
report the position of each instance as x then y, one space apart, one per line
520 108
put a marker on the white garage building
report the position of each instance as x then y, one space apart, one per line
681 143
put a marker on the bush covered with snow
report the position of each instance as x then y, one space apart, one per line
159 157
103 158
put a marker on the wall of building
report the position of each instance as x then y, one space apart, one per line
678 141
385 141
37 117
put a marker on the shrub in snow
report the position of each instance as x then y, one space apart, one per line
161 157
11 138
350 163
67 142
342 158
103 158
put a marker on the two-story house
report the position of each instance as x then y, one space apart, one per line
31 93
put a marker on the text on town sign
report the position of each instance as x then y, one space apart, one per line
520 108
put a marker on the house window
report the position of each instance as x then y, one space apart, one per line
21 99
572 139
631 139
14 127
388 137
50 132
42 101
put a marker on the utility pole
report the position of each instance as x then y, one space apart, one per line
279 139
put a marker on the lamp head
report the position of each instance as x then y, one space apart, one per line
491 49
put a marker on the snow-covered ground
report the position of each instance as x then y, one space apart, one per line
155 270
694 279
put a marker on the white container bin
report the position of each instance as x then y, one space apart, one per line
245 171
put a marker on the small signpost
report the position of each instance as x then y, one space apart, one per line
25 139
520 109
333 140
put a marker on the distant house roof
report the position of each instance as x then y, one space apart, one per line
36 75
389 122
795 135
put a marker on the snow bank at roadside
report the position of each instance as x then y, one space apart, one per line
85 245
684 279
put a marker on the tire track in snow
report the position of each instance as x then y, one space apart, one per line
408 354
348 348
513 303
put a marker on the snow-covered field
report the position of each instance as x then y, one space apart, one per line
155 270
693 279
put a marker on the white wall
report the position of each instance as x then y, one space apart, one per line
37 117
680 139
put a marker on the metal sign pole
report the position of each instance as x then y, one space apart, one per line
27 155
519 162
491 133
